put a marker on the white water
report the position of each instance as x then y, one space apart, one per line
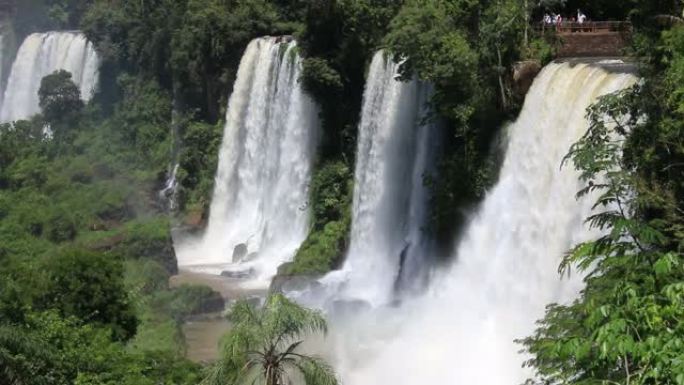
2 64
168 192
462 330
261 187
395 149
40 55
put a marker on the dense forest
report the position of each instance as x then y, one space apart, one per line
85 238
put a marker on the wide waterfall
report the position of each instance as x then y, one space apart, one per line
462 330
396 148
39 55
258 214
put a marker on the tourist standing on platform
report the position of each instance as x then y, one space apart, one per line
581 18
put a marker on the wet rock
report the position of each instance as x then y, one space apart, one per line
289 283
524 73
211 304
238 274
250 257
255 300
239 252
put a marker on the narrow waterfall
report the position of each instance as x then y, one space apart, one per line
169 192
505 271
2 64
39 55
395 149
258 214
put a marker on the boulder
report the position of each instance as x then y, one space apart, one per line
524 73
239 252
211 304
238 274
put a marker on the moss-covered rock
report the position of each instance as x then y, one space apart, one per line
321 252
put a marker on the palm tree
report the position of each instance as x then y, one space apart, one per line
262 346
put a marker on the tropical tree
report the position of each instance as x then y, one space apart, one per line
263 345
60 99
23 359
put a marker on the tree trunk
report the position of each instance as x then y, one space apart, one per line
500 70
527 25
272 376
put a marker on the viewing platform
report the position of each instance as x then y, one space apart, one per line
589 39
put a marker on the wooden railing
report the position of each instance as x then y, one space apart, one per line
586 27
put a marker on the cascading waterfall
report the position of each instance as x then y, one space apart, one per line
395 149
40 55
2 64
462 330
259 204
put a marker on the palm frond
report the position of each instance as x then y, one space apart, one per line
262 344
316 371
285 319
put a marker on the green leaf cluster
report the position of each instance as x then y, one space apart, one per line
331 197
264 345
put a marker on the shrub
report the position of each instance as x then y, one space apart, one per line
89 286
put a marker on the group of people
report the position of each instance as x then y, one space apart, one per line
557 19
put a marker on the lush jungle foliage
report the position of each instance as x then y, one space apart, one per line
85 251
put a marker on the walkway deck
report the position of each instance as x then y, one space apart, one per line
590 39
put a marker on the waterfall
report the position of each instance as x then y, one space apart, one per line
169 193
258 215
505 271
40 55
395 149
2 62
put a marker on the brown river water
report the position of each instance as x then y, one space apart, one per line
203 333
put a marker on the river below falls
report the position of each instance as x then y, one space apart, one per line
203 332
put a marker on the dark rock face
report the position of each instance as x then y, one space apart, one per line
165 254
211 304
524 73
239 252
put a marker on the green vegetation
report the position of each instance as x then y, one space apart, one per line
331 195
464 49
627 326
60 101
262 346
85 248
198 163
